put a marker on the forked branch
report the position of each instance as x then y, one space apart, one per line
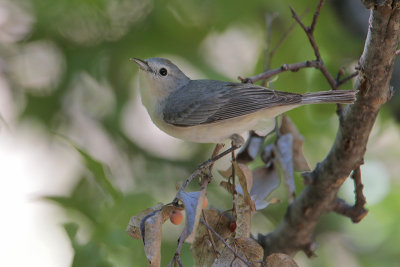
376 66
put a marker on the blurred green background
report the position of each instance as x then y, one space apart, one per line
79 155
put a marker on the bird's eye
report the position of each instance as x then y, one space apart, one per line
163 71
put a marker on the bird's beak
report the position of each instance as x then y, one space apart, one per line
143 65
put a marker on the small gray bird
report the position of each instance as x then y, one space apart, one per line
209 111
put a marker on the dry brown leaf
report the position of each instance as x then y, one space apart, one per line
245 170
152 237
300 162
245 179
267 154
251 148
279 260
284 156
226 173
147 226
243 220
201 248
228 186
193 202
133 228
265 180
248 248
245 204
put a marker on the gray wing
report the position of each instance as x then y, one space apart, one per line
207 101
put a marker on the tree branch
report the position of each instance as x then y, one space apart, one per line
318 63
347 78
357 212
376 66
310 34
285 67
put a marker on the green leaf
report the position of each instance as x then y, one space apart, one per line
97 169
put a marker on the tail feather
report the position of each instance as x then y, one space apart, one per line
333 96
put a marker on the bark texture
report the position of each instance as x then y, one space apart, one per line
376 66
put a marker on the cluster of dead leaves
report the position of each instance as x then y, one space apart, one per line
254 187
148 224
287 153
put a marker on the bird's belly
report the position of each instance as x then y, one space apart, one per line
221 130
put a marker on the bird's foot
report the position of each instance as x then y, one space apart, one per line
237 140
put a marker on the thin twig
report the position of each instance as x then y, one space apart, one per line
310 34
204 165
268 55
339 74
358 189
285 67
269 18
339 106
318 63
316 15
356 212
177 255
225 243
284 37
346 79
211 237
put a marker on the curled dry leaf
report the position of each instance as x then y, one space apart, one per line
193 202
227 173
248 248
151 232
284 156
267 154
251 148
245 204
279 259
201 248
147 226
245 179
243 168
228 186
133 228
265 180
300 162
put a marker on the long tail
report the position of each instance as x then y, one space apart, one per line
333 96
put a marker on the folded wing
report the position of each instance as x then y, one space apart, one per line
207 101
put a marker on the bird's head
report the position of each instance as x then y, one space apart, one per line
160 77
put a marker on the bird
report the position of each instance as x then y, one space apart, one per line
212 111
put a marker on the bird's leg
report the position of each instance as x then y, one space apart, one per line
237 141
211 161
